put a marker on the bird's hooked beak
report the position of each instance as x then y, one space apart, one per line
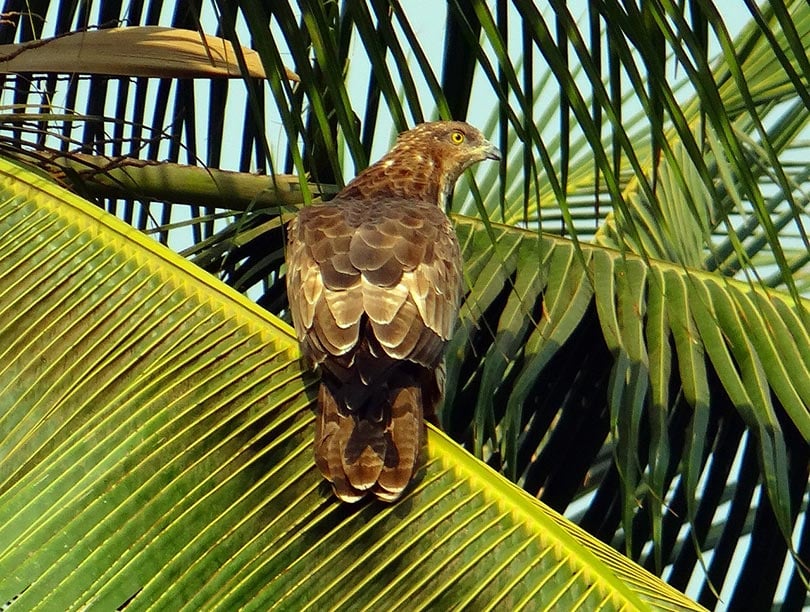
490 151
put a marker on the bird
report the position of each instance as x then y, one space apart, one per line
374 284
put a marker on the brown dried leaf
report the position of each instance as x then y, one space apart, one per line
147 51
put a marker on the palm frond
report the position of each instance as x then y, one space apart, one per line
160 453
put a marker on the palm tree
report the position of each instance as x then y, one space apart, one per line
633 348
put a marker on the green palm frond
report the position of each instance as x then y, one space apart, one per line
156 451
653 317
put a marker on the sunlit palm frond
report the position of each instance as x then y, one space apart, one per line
156 451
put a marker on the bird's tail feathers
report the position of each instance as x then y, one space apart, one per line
375 449
405 441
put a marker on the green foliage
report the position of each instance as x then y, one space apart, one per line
156 452
634 346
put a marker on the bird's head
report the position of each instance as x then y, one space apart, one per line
425 162
455 145
446 147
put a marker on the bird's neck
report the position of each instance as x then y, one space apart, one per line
403 174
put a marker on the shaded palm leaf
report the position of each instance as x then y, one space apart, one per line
745 336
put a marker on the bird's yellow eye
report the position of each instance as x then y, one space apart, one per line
456 137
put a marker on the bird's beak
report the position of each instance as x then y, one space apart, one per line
491 151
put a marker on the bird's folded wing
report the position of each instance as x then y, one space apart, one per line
396 261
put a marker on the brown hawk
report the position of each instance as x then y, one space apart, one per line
374 284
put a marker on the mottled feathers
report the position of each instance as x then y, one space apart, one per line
374 283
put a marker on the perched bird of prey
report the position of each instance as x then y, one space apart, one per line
374 284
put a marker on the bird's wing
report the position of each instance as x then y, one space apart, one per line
396 261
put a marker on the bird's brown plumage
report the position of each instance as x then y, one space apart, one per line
374 285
